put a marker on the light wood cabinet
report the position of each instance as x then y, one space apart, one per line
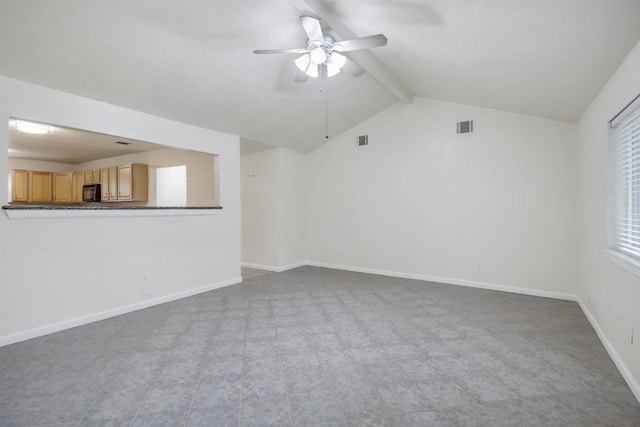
78 182
112 180
92 176
63 187
118 183
133 182
19 185
104 184
40 186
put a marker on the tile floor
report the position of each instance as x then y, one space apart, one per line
319 347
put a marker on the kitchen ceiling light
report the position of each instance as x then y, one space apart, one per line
33 128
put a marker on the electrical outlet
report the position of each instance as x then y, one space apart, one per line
343 251
145 278
588 298
478 264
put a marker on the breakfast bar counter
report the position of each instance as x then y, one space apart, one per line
20 211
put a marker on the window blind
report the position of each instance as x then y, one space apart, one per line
626 181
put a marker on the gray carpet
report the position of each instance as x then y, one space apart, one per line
319 347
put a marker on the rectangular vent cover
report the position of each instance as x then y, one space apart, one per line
363 140
465 127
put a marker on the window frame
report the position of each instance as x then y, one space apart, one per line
627 259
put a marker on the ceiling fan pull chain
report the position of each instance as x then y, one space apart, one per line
326 89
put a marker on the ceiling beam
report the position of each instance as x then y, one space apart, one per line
365 58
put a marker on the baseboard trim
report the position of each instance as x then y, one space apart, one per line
626 374
451 281
94 317
273 268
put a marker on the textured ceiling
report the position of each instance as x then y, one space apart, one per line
192 60
71 146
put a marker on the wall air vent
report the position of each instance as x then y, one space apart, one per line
122 143
465 127
363 140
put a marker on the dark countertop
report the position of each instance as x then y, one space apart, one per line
99 207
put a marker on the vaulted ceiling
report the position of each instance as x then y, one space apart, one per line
192 60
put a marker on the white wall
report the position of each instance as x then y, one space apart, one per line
260 193
292 189
610 293
421 201
273 209
56 270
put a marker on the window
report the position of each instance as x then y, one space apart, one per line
625 182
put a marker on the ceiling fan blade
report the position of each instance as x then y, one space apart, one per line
360 43
312 28
301 77
265 51
352 68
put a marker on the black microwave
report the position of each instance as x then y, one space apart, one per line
91 193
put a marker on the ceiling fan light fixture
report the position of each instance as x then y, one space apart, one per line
335 63
303 62
32 128
318 55
332 70
312 71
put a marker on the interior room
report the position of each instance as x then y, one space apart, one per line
320 212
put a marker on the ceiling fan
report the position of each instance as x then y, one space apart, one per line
322 55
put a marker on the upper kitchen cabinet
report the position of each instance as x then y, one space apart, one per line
112 183
19 185
40 186
133 182
78 182
92 176
63 187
